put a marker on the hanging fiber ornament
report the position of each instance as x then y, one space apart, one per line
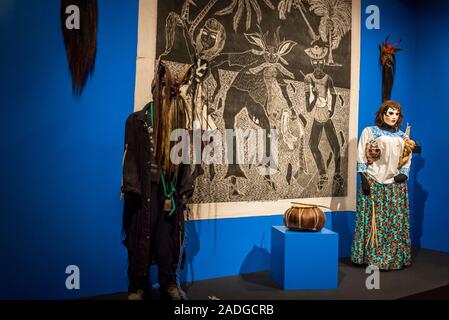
388 63
80 43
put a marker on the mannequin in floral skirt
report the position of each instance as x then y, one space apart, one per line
382 225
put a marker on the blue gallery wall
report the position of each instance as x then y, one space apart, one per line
397 18
61 157
235 246
223 247
421 86
430 77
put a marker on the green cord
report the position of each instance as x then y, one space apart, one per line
152 113
172 183
171 194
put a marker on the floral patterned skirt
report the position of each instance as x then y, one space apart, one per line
383 239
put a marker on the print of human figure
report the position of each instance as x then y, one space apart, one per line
209 44
321 98
202 48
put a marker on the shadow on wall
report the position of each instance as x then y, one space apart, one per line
192 247
417 203
258 258
343 224
343 221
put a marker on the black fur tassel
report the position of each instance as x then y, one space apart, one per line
81 44
388 73
388 63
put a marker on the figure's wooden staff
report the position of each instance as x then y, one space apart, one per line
300 6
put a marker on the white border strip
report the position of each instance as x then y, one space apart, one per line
146 52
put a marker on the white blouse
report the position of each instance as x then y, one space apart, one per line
391 145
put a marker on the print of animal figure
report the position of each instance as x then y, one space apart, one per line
254 89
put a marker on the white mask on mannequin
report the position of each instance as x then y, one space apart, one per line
391 116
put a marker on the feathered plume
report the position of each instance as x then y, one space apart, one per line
388 63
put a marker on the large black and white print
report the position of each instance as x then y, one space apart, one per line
279 66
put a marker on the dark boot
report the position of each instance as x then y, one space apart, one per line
172 292
139 289
137 295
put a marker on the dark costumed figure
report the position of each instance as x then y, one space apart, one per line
382 226
155 190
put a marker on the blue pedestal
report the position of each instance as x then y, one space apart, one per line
304 260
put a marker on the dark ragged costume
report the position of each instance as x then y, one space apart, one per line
150 181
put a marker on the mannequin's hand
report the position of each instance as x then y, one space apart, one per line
400 178
366 189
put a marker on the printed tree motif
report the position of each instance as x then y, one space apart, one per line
335 22
244 5
285 6
183 21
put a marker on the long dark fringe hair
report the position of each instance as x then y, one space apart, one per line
81 44
170 113
388 72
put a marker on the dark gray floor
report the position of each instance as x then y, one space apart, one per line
430 270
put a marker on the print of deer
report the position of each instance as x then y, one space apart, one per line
260 88
271 69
